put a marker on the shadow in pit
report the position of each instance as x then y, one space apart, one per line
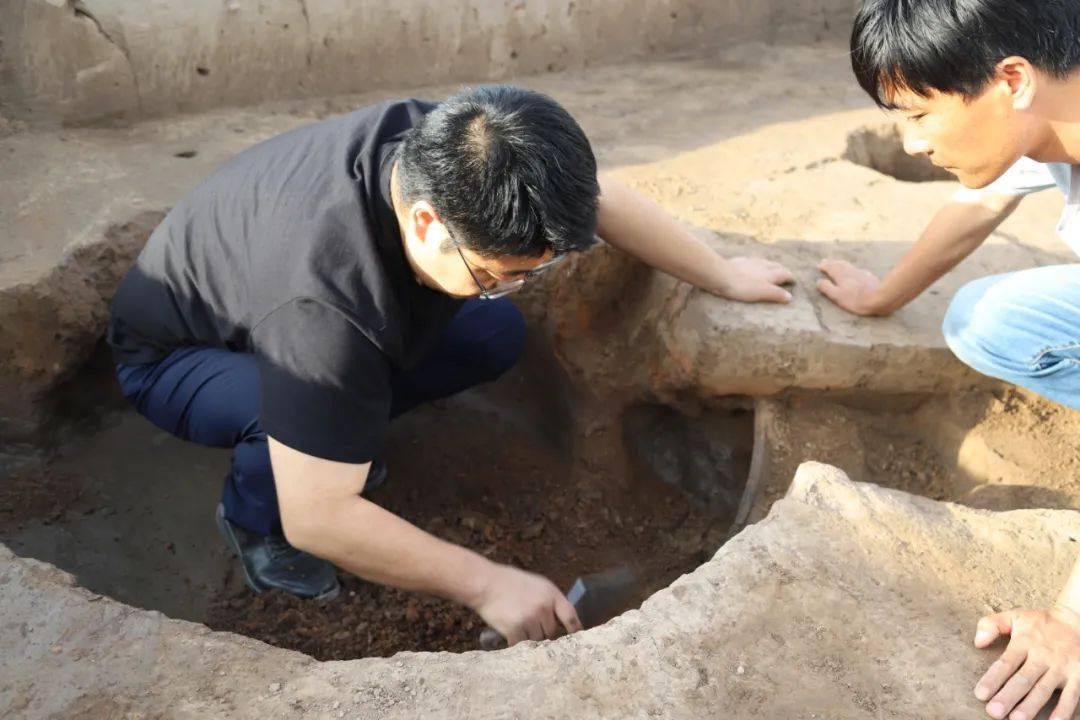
706 454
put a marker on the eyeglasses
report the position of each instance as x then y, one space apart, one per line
502 288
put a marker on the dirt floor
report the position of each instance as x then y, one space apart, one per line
33 493
486 472
551 526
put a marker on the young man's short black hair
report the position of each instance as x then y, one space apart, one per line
509 171
954 46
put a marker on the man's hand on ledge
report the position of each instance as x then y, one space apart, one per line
754 280
1042 657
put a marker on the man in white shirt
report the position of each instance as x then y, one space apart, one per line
989 90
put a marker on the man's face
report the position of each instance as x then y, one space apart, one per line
495 277
449 267
977 140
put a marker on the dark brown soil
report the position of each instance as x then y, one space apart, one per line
31 491
480 472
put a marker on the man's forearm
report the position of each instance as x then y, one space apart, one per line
639 227
953 234
366 540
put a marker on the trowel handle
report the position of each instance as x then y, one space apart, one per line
492 639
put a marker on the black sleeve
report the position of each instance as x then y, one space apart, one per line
325 386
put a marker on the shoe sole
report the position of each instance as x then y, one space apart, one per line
230 537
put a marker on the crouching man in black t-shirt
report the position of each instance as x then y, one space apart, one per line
330 278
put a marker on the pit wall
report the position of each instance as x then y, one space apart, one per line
85 61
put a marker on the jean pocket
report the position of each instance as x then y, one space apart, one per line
1053 359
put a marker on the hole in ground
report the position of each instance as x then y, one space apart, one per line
705 454
128 509
881 148
497 469
995 450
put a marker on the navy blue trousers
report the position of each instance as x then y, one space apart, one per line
211 396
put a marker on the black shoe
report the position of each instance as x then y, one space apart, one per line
270 562
376 477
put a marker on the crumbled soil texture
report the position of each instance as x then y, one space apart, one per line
481 478
32 491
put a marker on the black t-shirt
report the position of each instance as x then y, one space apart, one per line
292 251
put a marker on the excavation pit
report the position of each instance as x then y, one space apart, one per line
495 469
881 148
127 509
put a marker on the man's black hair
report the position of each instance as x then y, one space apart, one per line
954 46
509 171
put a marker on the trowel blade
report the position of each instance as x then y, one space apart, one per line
598 597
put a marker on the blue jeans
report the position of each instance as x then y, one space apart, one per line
1022 327
211 396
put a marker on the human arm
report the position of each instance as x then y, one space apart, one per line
326 404
322 513
639 227
953 234
1043 655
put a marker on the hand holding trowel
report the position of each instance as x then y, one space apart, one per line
596 598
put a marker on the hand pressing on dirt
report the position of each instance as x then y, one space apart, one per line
1043 656
633 223
754 280
524 606
850 287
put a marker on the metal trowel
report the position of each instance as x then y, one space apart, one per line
597 598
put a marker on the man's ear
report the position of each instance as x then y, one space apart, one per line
423 218
1020 79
